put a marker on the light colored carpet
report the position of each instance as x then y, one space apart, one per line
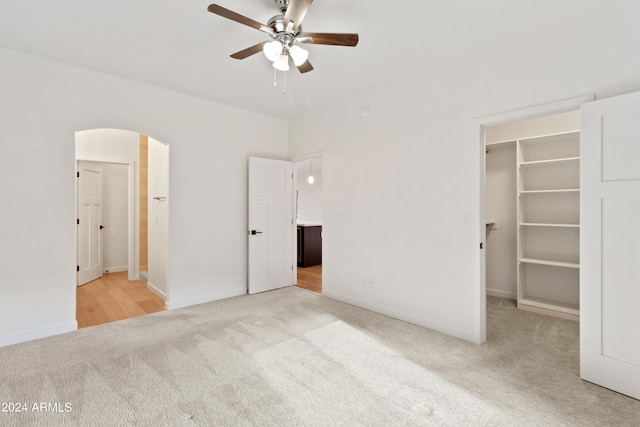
294 358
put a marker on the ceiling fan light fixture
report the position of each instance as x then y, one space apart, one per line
298 54
272 50
285 30
282 62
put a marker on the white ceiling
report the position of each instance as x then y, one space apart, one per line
180 46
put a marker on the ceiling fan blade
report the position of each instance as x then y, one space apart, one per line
245 53
335 39
306 67
296 10
226 13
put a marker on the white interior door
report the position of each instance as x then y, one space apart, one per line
610 252
270 224
89 198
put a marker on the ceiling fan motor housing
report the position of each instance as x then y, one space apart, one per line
277 25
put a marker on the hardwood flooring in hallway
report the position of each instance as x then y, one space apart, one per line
310 278
113 297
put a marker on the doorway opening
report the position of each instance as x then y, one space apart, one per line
122 230
532 208
529 216
308 208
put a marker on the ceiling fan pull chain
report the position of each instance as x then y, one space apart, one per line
284 82
275 77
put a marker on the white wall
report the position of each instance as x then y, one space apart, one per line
43 104
400 180
108 145
309 195
158 221
115 213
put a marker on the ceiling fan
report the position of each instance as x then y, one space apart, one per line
286 33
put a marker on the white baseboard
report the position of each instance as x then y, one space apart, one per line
114 269
425 323
172 305
157 291
38 333
501 294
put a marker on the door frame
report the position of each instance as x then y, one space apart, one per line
131 209
571 104
295 160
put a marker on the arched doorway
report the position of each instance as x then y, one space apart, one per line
131 239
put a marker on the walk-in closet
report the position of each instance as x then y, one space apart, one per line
532 206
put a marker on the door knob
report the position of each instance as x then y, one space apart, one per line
254 232
101 227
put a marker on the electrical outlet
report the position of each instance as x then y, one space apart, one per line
368 282
196 278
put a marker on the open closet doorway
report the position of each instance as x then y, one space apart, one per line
578 297
532 206
523 200
129 243
309 223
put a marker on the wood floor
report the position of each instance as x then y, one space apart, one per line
113 297
310 278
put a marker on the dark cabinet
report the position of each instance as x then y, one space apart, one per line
309 246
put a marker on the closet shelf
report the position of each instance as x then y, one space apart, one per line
538 224
506 141
563 190
546 304
547 262
534 139
550 161
544 138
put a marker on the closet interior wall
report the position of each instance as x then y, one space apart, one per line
501 219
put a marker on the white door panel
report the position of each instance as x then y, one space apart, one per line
89 245
621 146
620 255
610 232
271 219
